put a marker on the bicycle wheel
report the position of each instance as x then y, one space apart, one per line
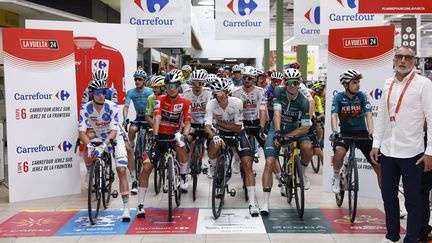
94 192
315 161
298 187
194 169
288 178
340 196
107 180
170 179
139 154
243 176
159 175
352 178
218 186
177 190
252 147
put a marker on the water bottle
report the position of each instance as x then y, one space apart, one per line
178 139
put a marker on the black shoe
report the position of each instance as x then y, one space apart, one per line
134 189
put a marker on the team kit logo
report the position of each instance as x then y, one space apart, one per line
243 9
152 7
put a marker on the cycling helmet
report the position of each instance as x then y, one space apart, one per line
292 73
277 75
157 81
100 75
219 84
236 68
97 84
140 74
175 71
260 72
250 71
315 87
186 68
199 75
173 78
349 75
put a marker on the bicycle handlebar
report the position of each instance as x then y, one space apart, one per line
351 138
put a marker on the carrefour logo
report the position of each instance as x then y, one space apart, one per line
313 15
376 93
100 65
348 3
153 6
352 6
64 146
62 95
242 7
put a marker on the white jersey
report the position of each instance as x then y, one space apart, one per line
232 114
102 122
253 102
306 92
198 104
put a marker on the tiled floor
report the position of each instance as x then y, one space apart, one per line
315 197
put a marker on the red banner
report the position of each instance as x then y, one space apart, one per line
31 224
395 6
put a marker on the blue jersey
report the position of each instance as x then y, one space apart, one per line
139 99
351 112
237 82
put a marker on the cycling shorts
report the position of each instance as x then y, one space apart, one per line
270 148
241 144
364 146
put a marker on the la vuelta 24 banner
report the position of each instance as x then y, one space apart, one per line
41 113
370 51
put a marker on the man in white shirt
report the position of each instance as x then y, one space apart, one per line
398 135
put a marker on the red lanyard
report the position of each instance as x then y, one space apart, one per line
401 96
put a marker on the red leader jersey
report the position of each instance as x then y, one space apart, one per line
173 113
90 56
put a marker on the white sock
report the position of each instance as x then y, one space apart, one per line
266 199
133 175
141 194
212 162
278 175
251 194
184 168
337 175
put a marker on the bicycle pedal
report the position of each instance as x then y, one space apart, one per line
204 171
114 194
165 190
232 192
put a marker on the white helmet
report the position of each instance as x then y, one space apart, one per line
199 75
100 75
349 75
277 75
236 68
292 73
218 84
250 71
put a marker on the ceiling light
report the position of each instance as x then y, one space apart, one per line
230 60
206 3
215 59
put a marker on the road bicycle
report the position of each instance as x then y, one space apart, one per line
196 159
349 177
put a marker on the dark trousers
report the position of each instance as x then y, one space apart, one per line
391 171
425 189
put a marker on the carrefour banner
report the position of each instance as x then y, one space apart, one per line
41 113
307 22
155 18
370 51
337 14
242 19
395 6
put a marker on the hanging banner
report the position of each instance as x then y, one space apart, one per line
183 41
307 23
395 6
111 47
336 14
40 95
370 51
155 18
242 19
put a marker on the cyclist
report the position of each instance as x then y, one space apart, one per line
276 79
317 121
350 108
290 106
170 112
226 113
237 78
185 76
158 85
102 115
111 93
254 107
138 96
262 78
199 96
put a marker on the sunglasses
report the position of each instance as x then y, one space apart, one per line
99 92
197 83
407 57
171 86
139 79
248 78
292 82
218 94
